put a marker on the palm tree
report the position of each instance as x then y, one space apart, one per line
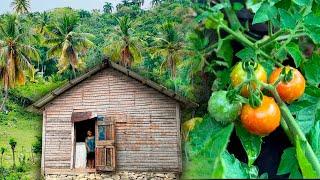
44 21
107 8
13 144
170 46
66 44
124 44
21 6
15 55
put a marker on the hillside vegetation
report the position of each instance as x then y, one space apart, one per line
252 66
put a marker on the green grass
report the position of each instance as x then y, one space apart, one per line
23 126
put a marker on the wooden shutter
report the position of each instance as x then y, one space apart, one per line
105 144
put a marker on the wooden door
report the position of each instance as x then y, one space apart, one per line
105 158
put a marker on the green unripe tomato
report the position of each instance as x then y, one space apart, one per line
221 109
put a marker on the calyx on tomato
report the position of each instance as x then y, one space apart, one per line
291 89
239 75
261 120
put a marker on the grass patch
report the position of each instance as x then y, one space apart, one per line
24 127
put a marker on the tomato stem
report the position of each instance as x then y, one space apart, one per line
290 124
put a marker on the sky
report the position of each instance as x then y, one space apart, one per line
43 5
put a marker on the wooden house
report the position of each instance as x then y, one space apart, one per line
136 123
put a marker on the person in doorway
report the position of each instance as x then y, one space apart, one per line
90 146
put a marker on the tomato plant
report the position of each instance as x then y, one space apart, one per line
291 98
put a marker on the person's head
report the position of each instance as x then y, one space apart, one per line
89 133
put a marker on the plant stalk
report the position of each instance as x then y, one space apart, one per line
294 129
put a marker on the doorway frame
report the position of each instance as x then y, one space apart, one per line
85 115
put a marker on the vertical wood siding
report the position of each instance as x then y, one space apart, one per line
147 128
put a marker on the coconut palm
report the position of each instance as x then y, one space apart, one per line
15 55
170 46
107 8
21 6
66 44
44 21
124 45
13 145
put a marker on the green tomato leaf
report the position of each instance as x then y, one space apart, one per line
234 169
307 109
246 54
294 51
314 33
218 169
312 70
288 163
207 141
286 20
302 2
312 25
222 80
225 51
314 139
251 143
305 166
265 13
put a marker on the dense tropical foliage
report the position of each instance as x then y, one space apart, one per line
252 67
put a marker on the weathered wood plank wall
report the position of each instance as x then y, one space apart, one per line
147 128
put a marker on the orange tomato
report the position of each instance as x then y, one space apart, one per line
292 90
239 75
261 120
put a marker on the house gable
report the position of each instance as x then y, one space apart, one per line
147 122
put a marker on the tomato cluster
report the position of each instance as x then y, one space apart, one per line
263 118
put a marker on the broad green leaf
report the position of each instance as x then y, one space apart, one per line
225 51
236 169
265 13
280 52
288 163
314 33
314 138
253 5
222 80
312 25
294 51
207 141
302 2
307 109
246 54
283 4
251 143
286 20
312 20
312 70
218 168
305 166
268 66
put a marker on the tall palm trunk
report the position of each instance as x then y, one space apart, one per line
13 157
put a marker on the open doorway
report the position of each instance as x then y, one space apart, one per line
84 150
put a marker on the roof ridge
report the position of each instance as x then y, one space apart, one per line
105 64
